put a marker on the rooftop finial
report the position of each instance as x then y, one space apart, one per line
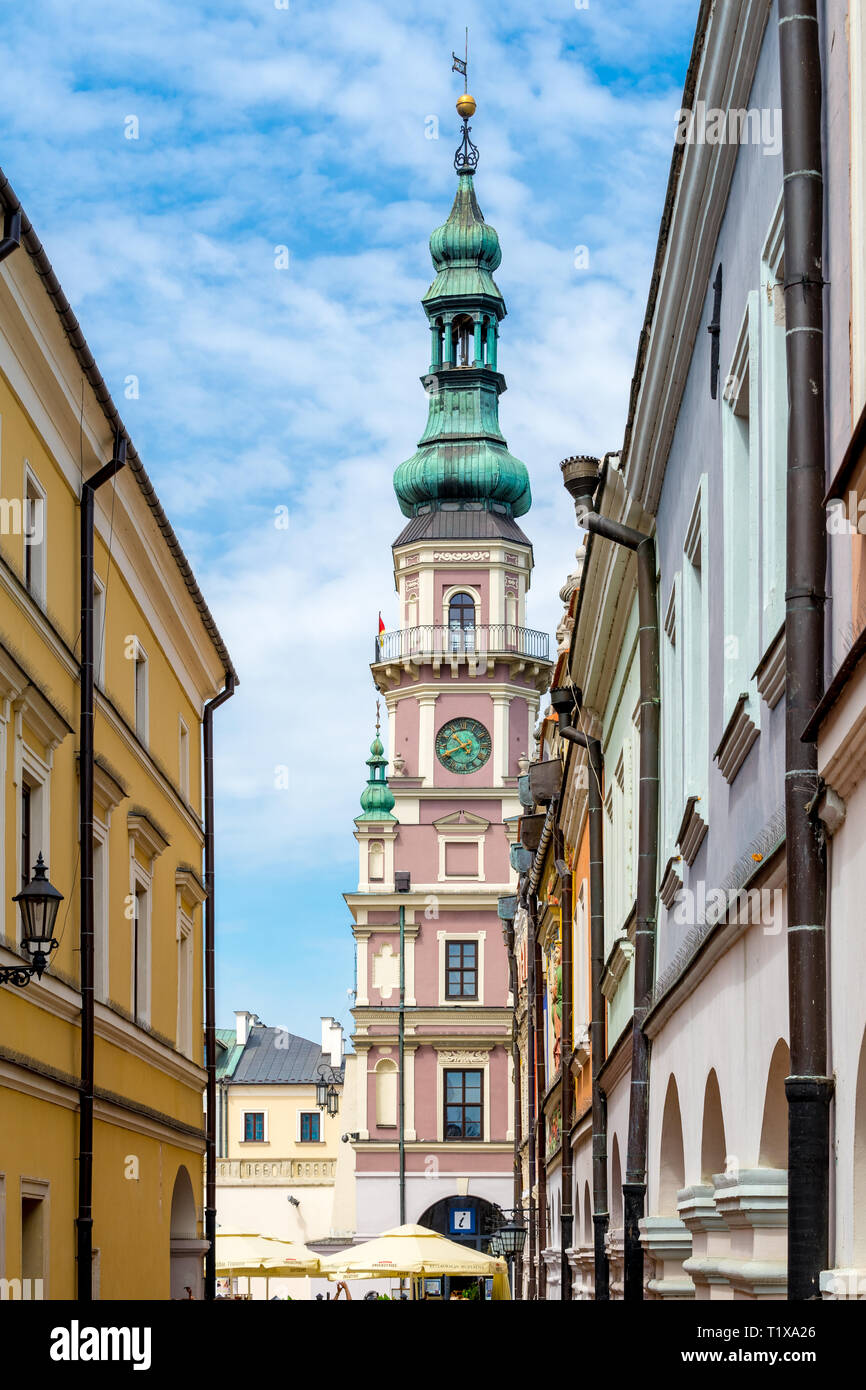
377 718
466 156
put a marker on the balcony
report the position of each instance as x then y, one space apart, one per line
476 648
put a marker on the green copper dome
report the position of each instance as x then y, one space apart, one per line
377 799
462 458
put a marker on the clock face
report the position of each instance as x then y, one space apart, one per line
463 745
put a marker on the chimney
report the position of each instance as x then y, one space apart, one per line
332 1041
243 1024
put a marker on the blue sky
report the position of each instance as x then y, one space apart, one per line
305 126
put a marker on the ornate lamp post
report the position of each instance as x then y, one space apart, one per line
327 1095
39 901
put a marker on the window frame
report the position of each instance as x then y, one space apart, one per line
462 944
312 1115
251 1114
34 558
463 1104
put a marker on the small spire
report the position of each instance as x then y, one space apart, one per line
377 799
466 155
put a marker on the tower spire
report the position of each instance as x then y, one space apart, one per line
377 799
466 155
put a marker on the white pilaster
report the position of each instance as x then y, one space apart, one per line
426 733
501 705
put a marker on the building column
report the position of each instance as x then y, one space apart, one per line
668 1242
362 938
426 729
501 704
711 1242
409 1093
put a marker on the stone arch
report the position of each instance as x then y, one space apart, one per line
186 1249
672 1165
386 1091
714 1151
859 1233
773 1152
615 1187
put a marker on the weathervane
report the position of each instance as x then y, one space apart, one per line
466 156
377 718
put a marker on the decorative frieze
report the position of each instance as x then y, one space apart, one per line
472 555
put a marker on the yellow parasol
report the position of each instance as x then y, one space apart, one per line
410 1250
257 1256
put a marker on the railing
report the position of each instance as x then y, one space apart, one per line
443 642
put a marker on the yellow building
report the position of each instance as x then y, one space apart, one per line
158 660
278 1150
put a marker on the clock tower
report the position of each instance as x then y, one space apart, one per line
461 676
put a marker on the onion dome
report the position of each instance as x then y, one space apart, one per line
465 249
377 799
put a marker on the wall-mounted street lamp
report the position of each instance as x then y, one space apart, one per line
39 901
327 1095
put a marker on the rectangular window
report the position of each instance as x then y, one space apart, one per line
26 826
461 970
33 526
774 419
32 1238
184 984
740 513
141 908
100 914
141 693
310 1127
98 631
672 720
464 1101
183 759
254 1127
695 654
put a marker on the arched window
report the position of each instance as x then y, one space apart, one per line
376 860
461 623
461 612
464 341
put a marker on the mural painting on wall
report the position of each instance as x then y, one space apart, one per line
554 1126
554 978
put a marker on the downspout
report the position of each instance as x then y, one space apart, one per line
581 476
532 1289
597 1028
540 1128
809 1089
567 1081
84 1220
401 1045
210 989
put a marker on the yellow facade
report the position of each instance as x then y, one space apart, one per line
156 667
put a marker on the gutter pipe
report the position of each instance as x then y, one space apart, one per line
84 1219
210 989
809 1089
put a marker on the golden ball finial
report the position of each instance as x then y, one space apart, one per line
466 106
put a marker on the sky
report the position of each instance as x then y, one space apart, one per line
237 199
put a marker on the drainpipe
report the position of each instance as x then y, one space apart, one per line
581 478
809 1089
597 1029
11 238
540 1071
84 1220
567 1081
401 1047
210 990
532 1290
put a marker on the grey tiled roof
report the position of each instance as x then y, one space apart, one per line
274 1057
463 525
